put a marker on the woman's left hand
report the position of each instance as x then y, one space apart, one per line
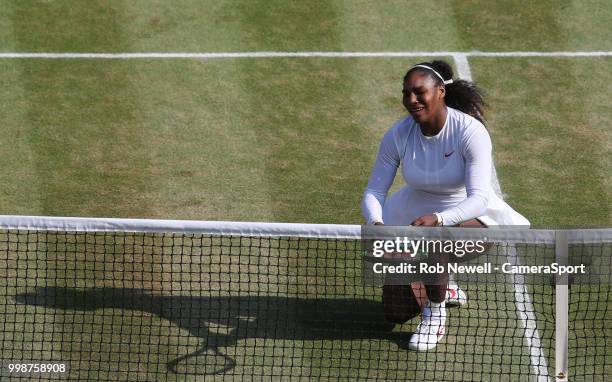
426 220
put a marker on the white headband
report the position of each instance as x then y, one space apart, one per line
446 82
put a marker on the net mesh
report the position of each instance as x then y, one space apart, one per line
173 306
590 318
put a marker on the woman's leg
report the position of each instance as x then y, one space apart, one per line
435 285
433 320
399 301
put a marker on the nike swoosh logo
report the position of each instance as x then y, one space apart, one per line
449 154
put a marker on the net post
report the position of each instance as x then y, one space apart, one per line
561 309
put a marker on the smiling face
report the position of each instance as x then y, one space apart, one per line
423 98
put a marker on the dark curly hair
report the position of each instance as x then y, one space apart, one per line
460 94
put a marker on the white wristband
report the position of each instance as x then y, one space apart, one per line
439 217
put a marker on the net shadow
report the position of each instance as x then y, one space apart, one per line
239 317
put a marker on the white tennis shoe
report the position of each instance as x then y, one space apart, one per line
431 329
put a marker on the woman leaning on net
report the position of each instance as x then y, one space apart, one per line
446 157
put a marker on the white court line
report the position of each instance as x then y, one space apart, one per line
526 313
463 66
522 300
191 55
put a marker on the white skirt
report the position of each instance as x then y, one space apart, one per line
406 205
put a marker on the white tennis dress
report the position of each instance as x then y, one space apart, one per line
449 173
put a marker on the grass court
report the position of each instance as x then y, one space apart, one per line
283 139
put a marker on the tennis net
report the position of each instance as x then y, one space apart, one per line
119 299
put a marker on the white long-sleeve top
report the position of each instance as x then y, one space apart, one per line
449 173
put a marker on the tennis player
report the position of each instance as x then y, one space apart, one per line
446 157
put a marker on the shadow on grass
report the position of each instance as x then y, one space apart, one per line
222 321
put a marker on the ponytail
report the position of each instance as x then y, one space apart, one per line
462 95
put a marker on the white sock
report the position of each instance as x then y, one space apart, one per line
437 308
